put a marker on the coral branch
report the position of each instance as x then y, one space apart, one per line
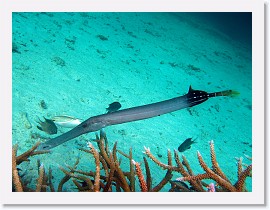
86 180
239 167
97 162
29 153
197 186
50 180
139 173
148 175
241 181
15 176
102 150
153 158
186 164
67 177
40 179
120 175
164 181
215 165
16 160
132 172
194 178
111 174
216 174
181 168
221 182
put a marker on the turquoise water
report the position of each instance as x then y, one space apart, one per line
76 64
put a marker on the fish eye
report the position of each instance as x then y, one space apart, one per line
45 147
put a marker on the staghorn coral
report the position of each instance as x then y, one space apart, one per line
215 174
15 175
139 173
18 185
109 176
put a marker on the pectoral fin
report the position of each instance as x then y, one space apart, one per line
39 128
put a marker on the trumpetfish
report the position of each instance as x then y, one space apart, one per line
95 123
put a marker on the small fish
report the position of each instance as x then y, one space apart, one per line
186 145
47 126
66 121
113 107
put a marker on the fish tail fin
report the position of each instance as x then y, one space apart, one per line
230 93
194 140
38 119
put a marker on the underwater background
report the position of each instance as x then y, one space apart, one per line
77 64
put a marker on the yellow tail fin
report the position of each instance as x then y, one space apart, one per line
231 93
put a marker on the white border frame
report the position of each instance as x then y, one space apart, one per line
257 196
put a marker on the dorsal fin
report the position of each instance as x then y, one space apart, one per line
190 89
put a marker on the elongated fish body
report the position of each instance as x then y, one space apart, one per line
66 121
192 98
